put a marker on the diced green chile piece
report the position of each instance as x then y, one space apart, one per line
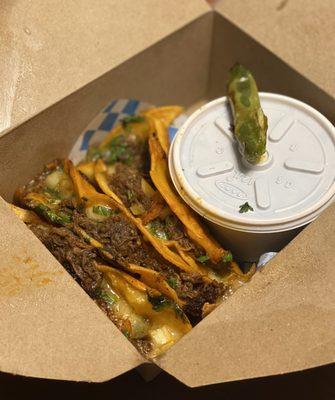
250 123
54 216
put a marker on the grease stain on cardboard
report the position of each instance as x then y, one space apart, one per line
25 274
282 5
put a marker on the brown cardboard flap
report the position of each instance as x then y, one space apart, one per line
283 321
52 48
152 76
301 32
280 322
50 328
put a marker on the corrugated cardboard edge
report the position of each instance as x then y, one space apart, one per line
282 321
300 32
50 328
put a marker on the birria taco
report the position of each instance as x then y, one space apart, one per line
119 228
146 192
150 320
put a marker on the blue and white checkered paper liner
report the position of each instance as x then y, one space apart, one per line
106 120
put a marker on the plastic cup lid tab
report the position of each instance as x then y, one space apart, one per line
289 189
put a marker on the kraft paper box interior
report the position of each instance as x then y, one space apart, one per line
61 63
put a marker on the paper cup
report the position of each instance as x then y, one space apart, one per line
287 191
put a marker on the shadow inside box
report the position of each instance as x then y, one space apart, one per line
316 383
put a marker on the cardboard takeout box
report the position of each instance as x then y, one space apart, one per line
61 62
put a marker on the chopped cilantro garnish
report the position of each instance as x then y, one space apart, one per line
109 297
52 200
93 154
52 192
172 281
55 217
245 208
65 218
159 302
115 150
203 259
228 257
156 228
116 141
105 211
131 119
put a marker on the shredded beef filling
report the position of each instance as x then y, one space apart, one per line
136 152
77 257
176 231
126 149
126 183
121 239
196 293
126 245
123 242
73 253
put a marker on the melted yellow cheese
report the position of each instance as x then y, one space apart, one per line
165 326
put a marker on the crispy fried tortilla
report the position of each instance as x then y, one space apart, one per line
119 228
118 237
152 321
150 198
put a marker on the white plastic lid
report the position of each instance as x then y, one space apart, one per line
288 190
